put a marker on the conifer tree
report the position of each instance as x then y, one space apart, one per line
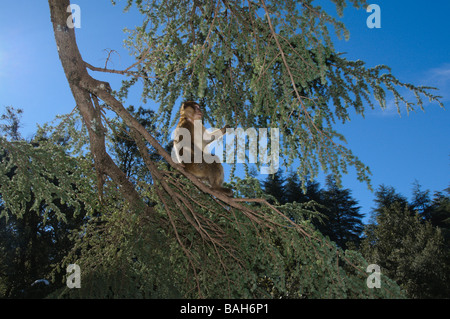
344 221
421 201
274 185
293 189
386 196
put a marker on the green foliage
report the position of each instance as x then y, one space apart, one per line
262 64
44 195
129 255
39 173
125 150
210 252
206 250
332 210
12 125
439 213
408 250
343 219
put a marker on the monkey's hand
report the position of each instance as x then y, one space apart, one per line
224 129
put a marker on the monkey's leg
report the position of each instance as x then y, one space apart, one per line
216 179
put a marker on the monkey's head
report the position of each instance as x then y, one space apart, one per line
191 110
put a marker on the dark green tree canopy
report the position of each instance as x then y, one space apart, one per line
344 221
274 185
410 251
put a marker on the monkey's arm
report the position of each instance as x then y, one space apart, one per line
209 137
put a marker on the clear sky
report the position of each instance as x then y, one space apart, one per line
414 40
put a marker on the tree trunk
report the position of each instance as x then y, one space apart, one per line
85 90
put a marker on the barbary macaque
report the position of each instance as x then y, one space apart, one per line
190 147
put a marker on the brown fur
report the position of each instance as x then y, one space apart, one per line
212 173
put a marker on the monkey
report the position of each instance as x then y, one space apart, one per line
190 150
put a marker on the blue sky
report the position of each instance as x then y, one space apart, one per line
414 40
